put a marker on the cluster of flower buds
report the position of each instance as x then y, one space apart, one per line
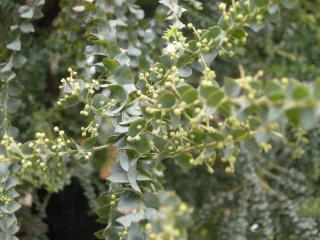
86 110
4 200
61 141
9 143
123 234
245 83
70 85
265 147
91 129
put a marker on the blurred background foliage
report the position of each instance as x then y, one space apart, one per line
277 193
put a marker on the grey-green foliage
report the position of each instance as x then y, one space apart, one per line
7 6
260 208
9 105
259 205
180 100
236 220
9 205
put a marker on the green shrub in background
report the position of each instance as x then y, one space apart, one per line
212 108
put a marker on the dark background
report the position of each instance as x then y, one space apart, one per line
67 215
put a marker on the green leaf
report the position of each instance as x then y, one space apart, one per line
114 51
18 60
129 219
110 64
175 12
239 133
4 168
217 136
10 208
293 116
132 176
316 90
184 59
129 120
133 51
27 27
257 26
136 127
187 93
185 72
212 94
99 101
136 233
289 3
119 94
137 12
183 160
123 159
40 3
103 199
214 33
167 99
71 101
26 12
228 151
124 75
7 66
261 3
133 108
262 137
299 92
129 202
118 175
274 91
274 113
118 178
143 145
15 45
239 33
148 35
257 86
13 105
100 234
231 88
210 56
273 8
89 143
308 118
123 59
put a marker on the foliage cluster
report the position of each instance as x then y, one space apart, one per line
211 107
